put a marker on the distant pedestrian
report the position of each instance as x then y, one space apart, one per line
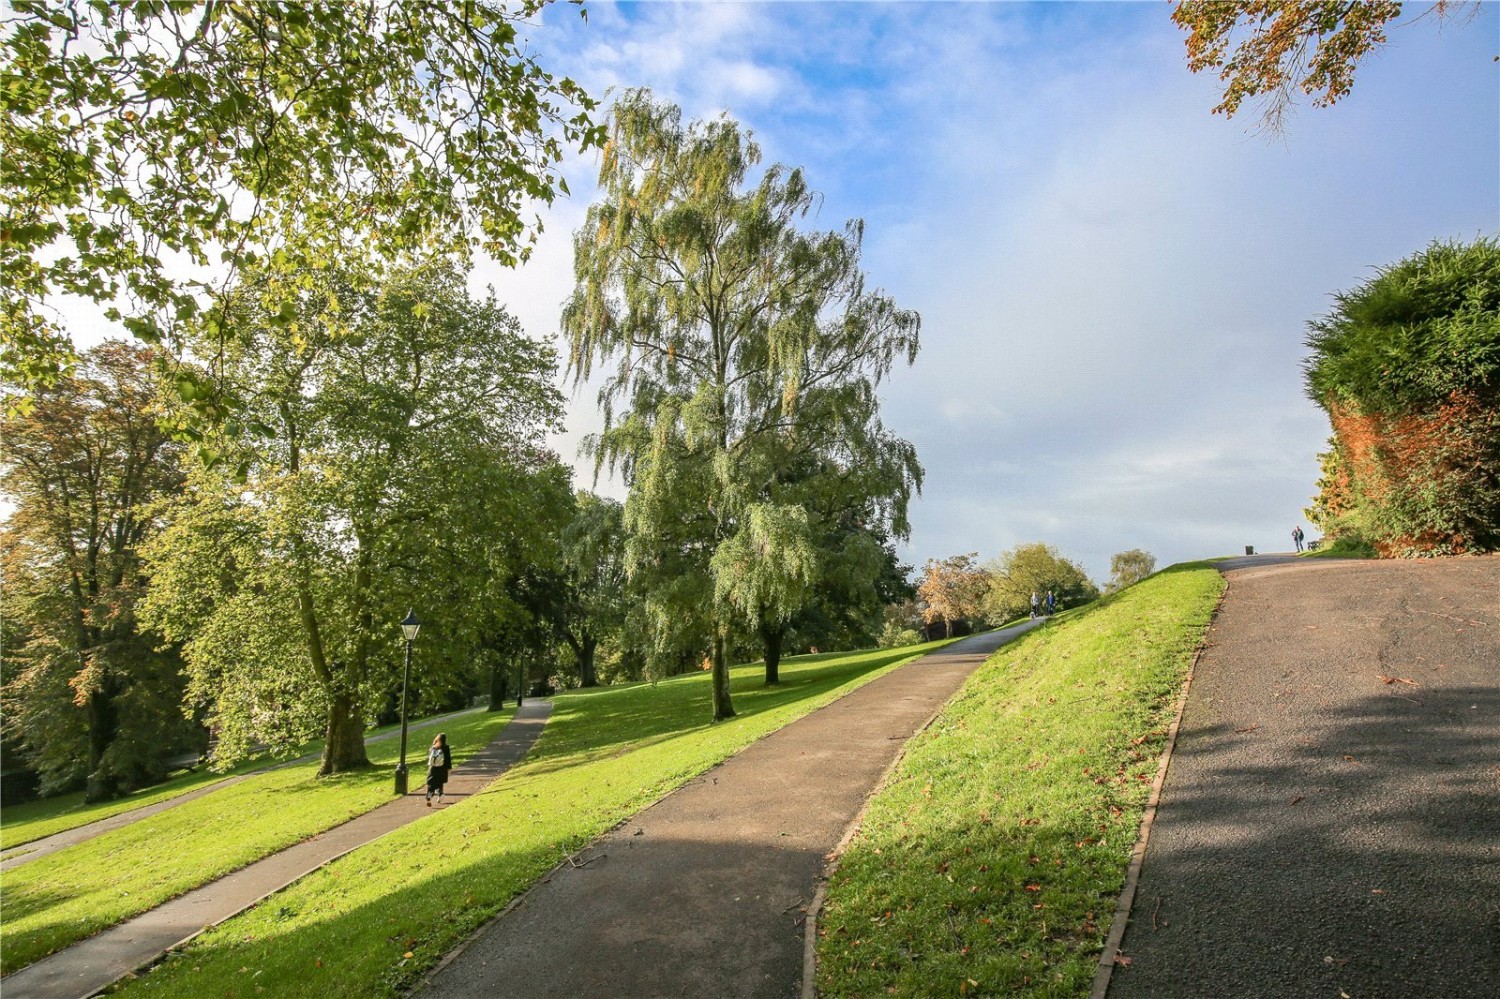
1297 536
439 762
1036 605
1051 603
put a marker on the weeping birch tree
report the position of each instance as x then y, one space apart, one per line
729 337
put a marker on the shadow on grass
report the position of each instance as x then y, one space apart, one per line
422 888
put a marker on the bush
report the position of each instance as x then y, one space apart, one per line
895 636
1407 367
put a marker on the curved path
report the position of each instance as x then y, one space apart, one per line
24 853
1330 821
93 964
704 893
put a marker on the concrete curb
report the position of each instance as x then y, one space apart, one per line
1138 856
810 927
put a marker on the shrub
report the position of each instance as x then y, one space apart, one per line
1407 366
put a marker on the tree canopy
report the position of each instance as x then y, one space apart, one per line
952 589
154 147
383 463
740 344
1033 568
1130 567
593 558
1269 50
89 694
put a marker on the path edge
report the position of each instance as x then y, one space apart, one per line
1121 921
810 925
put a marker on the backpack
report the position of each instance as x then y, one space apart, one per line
435 757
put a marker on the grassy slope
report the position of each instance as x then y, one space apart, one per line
33 820
990 860
63 897
372 922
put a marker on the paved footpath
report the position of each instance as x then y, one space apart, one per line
29 851
92 964
1326 827
703 893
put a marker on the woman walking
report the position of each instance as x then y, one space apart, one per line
439 762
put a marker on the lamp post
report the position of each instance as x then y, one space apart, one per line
409 627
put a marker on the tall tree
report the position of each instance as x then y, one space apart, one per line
855 485
593 557
142 135
1271 49
952 589
1034 568
391 433
1129 567
91 696
722 319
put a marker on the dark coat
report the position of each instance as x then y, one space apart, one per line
438 776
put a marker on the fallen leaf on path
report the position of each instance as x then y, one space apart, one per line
1396 679
1349 758
1248 728
1299 797
1377 891
1122 960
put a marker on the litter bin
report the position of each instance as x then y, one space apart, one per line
1249 549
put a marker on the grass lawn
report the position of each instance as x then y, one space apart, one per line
990 860
373 921
33 820
74 893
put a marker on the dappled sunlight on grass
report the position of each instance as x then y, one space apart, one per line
33 820
71 894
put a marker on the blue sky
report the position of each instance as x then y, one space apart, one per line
1114 283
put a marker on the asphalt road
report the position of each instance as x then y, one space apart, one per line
1330 823
704 893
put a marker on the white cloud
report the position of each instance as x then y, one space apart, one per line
1114 283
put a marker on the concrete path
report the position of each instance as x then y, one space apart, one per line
703 893
93 964
1328 828
29 851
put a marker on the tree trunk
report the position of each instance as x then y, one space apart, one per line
344 742
587 675
723 707
102 722
497 685
771 638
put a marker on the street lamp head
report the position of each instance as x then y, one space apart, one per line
410 626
